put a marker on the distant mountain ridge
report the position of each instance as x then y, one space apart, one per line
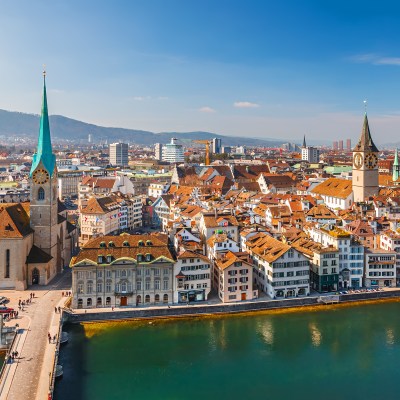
20 124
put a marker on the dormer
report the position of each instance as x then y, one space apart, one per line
140 243
103 244
125 244
111 244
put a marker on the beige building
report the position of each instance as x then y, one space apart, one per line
365 166
125 270
233 278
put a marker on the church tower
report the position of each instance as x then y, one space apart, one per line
44 189
365 165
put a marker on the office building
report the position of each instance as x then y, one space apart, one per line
173 152
119 154
216 146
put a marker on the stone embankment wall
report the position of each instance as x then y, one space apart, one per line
182 311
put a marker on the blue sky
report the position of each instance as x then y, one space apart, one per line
252 68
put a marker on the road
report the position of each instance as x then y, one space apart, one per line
25 378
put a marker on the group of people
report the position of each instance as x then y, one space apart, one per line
67 294
57 310
52 339
23 303
13 356
10 315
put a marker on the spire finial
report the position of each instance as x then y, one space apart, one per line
365 105
44 71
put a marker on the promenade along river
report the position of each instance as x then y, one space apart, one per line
341 353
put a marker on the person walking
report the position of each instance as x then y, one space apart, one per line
55 310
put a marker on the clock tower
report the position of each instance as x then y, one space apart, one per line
44 189
365 165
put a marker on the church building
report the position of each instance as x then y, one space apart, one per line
36 241
365 166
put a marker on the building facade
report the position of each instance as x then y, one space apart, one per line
119 154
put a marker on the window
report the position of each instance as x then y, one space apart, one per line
148 257
89 302
99 287
103 244
80 303
108 286
123 273
99 274
166 284
157 284
325 271
99 302
165 298
7 270
108 301
165 272
40 195
147 299
89 287
123 287
157 272
147 285
108 273
138 285
80 287
157 298
125 244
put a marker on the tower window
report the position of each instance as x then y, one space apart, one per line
40 195
7 271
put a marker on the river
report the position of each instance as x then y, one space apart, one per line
335 353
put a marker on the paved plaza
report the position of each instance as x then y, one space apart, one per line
27 378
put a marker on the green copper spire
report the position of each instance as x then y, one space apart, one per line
396 166
44 152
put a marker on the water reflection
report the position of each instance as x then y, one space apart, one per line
390 337
316 335
266 330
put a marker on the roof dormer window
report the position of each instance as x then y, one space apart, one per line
140 243
125 244
111 244
102 244
100 259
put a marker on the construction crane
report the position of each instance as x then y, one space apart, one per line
208 143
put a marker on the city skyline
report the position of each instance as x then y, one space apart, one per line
260 70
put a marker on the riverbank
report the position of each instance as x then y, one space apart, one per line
204 310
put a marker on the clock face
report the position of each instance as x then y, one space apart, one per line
371 160
40 176
358 160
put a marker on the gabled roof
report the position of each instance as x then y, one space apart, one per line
267 247
14 221
334 187
38 256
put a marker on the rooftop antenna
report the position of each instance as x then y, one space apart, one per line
365 105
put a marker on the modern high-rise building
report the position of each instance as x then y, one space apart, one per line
335 145
173 152
348 144
216 146
340 144
158 147
119 154
226 149
90 138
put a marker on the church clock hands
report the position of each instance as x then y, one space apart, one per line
40 176
371 160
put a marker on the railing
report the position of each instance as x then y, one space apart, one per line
52 375
3 374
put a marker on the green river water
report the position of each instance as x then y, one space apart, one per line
338 353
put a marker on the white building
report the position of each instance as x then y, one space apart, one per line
173 152
309 154
192 282
336 193
279 270
380 268
158 147
119 154
390 240
351 253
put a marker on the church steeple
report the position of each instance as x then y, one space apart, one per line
365 143
395 166
44 152
304 142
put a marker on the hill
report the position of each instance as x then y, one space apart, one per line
21 124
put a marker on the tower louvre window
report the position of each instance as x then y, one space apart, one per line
40 194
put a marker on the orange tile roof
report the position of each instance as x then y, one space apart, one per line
334 187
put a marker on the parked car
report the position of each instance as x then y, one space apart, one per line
5 310
3 299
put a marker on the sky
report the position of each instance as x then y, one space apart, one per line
265 69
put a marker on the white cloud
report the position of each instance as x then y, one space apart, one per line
206 110
375 59
245 104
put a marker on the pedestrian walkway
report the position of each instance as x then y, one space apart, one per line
27 378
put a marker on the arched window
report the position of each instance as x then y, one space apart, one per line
147 299
108 301
99 302
157 298
40 195
165 299
138 299
80 303
7 270
89 302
